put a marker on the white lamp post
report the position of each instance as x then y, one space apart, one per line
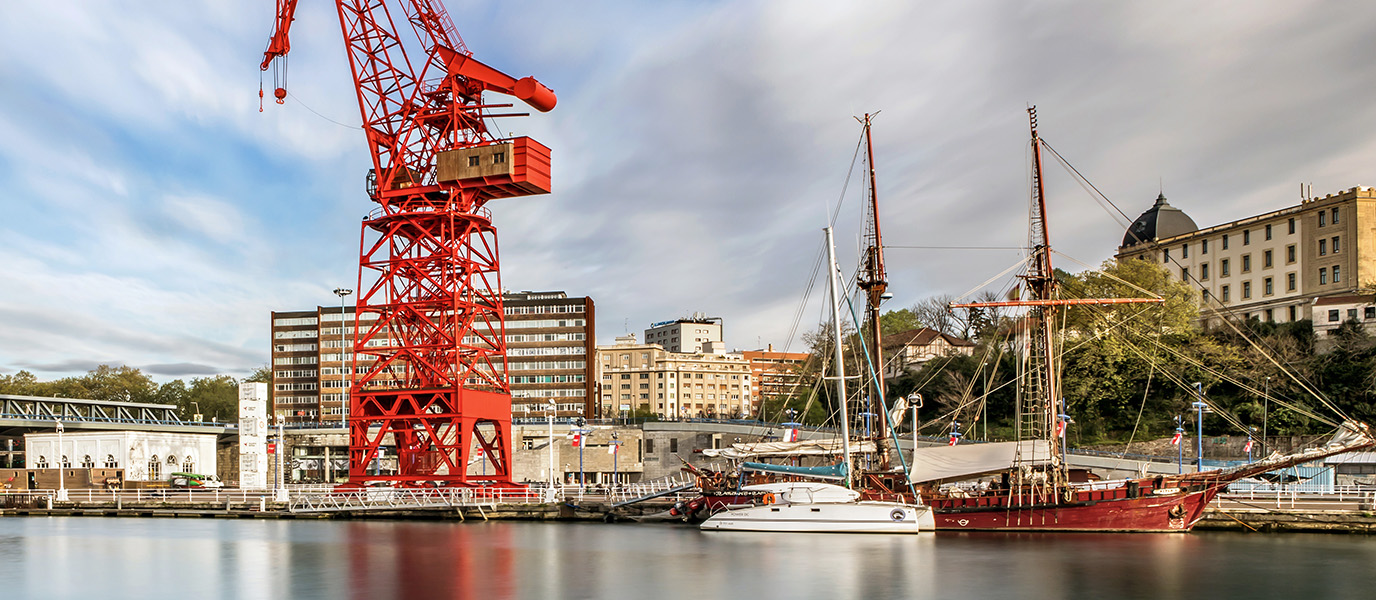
549 418
280 484
344 368
61 470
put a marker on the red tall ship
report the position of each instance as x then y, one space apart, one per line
1034 491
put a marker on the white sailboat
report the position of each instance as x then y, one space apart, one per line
814 507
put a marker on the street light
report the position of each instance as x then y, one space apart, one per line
198 416
549 418
343 342
616 447
61 468
1199 406
580 429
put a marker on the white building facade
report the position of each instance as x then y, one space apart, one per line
144 455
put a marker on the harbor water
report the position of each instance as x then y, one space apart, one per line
152 559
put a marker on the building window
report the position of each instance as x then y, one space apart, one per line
87 462
1323 247
1203 246
1223 270
1352 314
1268 237
473 161
42 462
1332 314
1225 241
498 158
1165 255
1268 289
1184 251
1290 254
1246 263
1323 274
1369 312
1246 237
673 445
66 462
1204 272
1246 290
188 465
1270 315
1337 275
1184 273
1293 312
1335 215
1292 232
110 462
1321 213
1335 244
154 469
1266 259
1290 282
1225 293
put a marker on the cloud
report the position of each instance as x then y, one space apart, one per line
155 217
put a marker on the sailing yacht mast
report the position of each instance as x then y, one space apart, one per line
840 357
874 281
1041 281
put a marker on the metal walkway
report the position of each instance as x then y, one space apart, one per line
390 499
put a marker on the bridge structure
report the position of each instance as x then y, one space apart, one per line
24 414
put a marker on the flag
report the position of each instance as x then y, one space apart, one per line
611 448
1248 447
790 435
577 440
480 452
1060 429
1175 441
954 438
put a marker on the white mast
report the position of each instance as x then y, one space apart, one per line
840 362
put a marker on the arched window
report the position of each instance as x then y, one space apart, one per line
171 461
66 464
110 462
87 462
42 462
154 469
189 465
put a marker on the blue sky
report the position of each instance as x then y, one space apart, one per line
154 217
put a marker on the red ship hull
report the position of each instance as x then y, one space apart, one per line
1099 510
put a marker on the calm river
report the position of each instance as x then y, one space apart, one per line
151 559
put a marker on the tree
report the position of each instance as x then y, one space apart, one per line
217 397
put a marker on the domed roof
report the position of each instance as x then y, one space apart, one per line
1160 221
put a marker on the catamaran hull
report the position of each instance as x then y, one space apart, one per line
1147 514
860 517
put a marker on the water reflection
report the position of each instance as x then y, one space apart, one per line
150 559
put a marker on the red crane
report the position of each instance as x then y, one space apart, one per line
436 383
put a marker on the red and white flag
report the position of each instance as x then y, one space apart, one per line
1060 429
480 452
1248 447
577 439
790 435
1175 441
611 448
954 439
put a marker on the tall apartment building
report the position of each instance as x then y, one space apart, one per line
635 376
549 338
311 351
686 335
1271 266
775 375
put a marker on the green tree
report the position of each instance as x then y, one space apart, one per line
217 397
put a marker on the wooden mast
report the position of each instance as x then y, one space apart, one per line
875 283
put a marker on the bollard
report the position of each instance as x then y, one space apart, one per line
262 504
50 502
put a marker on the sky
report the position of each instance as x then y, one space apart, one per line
154 217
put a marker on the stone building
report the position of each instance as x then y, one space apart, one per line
1270 266
635 376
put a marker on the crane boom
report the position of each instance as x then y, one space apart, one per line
429 358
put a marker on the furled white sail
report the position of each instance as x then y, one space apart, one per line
944 463
822 447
